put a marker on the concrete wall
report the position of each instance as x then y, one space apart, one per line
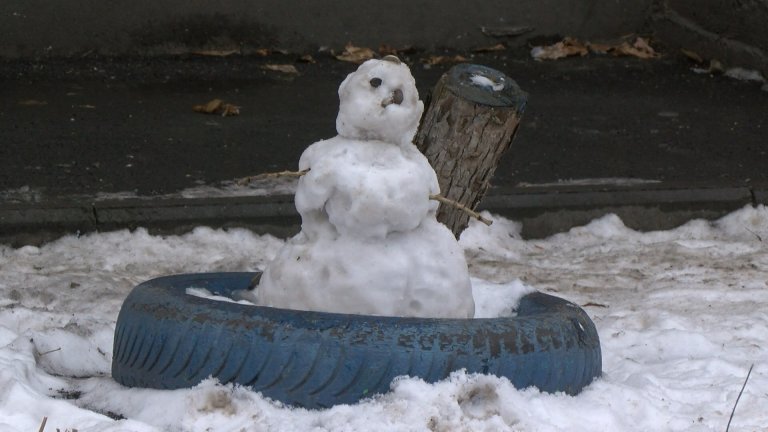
33 28
732 31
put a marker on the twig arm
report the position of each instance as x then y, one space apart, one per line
247 180
462 207
728 427
436 197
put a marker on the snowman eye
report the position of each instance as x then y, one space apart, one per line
375 82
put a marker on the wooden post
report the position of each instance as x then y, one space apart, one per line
471 120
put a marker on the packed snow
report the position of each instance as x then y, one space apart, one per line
379 101
744 74
370 242
681 316
484 81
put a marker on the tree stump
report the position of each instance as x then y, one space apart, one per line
471 120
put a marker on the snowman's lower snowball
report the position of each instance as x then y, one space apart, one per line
420 273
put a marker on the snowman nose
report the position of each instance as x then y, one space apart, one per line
396 98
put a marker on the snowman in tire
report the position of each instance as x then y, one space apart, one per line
370 243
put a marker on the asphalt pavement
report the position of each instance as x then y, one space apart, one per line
105 143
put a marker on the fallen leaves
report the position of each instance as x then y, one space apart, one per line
506 31
639 48
32 102
692 55
492 48
714 66
355 54
307 58
218 107
282 68
266 52
565 48
216 52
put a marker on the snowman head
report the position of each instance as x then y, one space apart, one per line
379 101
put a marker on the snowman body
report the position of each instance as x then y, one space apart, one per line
370 243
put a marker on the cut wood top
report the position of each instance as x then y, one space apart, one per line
485 86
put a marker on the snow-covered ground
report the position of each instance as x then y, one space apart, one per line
681 315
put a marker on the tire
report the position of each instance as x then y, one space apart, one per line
166 339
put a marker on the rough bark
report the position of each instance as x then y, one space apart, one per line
471 121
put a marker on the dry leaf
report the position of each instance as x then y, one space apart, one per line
263 52
307 58
692 55
565 48
598 48
217 106
625 49
509 31
210 107
217 53
571 47
493 48
282 68
643 45
436 60
32 102
385 49
639 49
355 54
229 110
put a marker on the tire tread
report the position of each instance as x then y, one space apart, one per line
320 365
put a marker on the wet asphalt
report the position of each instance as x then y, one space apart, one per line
599 134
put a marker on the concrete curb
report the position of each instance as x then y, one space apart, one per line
543 211
161 27
732 33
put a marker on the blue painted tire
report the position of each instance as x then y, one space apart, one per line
167 339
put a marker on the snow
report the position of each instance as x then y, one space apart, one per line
379 101
739 73
496 300
603 181
538 52
484 81
681 317
226 189
370 242
743 74
364 189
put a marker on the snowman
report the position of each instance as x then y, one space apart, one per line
369 242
